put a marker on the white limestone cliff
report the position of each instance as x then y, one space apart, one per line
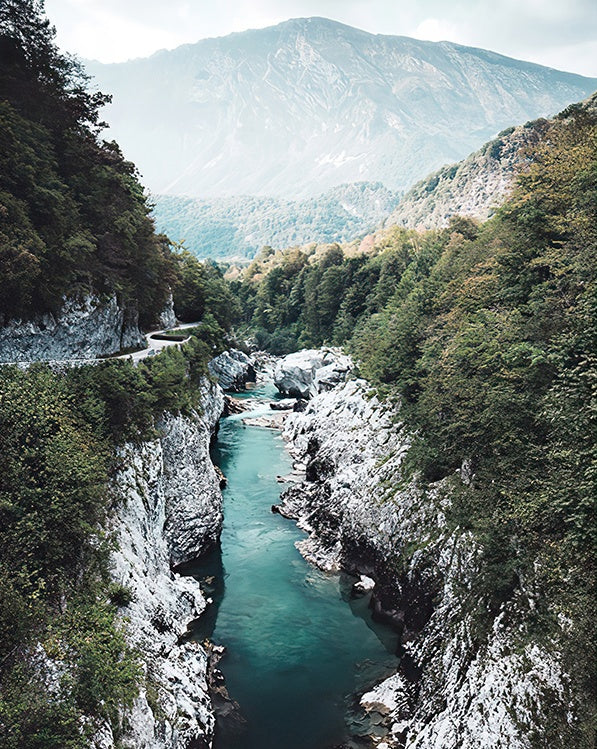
169 509
84 328
457 688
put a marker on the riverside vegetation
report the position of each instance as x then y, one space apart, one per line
74 220
484 333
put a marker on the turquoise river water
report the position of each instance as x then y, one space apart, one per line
297 648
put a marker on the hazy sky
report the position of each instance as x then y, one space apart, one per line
558 33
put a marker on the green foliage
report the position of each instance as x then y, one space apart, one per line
201 291
73 216
240 226
57 454
299 303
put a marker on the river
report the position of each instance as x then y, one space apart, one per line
297 648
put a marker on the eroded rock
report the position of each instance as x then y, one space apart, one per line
232 369
84 328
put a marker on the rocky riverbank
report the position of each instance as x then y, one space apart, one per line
458 686
168 511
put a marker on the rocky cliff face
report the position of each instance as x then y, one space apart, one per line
169 511
458 687
83 329
167 317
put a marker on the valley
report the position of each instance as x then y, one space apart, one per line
332 485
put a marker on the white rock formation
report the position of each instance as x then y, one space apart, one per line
308 372
189 482
167 318
232 369
169 509
83 329
456 689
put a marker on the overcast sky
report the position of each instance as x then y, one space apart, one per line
558 33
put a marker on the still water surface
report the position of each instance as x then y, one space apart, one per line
297 648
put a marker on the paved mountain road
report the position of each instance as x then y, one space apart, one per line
154 347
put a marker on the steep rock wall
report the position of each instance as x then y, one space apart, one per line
83 329
169 510
458 687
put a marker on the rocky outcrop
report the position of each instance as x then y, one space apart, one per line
83 329
169 510
459 687
167 317
308 372
232 369
189 481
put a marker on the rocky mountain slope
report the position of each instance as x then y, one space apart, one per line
240 226
474 187
479 184
298 108
459 685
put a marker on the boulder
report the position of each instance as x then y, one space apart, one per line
285 405
232 369
363 586
306 373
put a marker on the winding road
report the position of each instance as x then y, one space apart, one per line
155 345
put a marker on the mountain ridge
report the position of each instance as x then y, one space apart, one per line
479 184
293 110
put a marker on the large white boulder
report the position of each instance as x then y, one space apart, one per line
306 373
232 369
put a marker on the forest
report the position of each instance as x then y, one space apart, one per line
486 335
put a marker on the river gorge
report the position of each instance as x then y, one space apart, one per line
298 648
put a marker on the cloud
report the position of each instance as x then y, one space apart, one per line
436 30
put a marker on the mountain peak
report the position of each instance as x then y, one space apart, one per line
295 109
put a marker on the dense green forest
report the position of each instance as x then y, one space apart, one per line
487 336
238 227
73 216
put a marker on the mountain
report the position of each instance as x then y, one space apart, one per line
295 109
473 187
478 185
240 226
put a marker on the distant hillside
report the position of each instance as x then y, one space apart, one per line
296 109
479 184
240 226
